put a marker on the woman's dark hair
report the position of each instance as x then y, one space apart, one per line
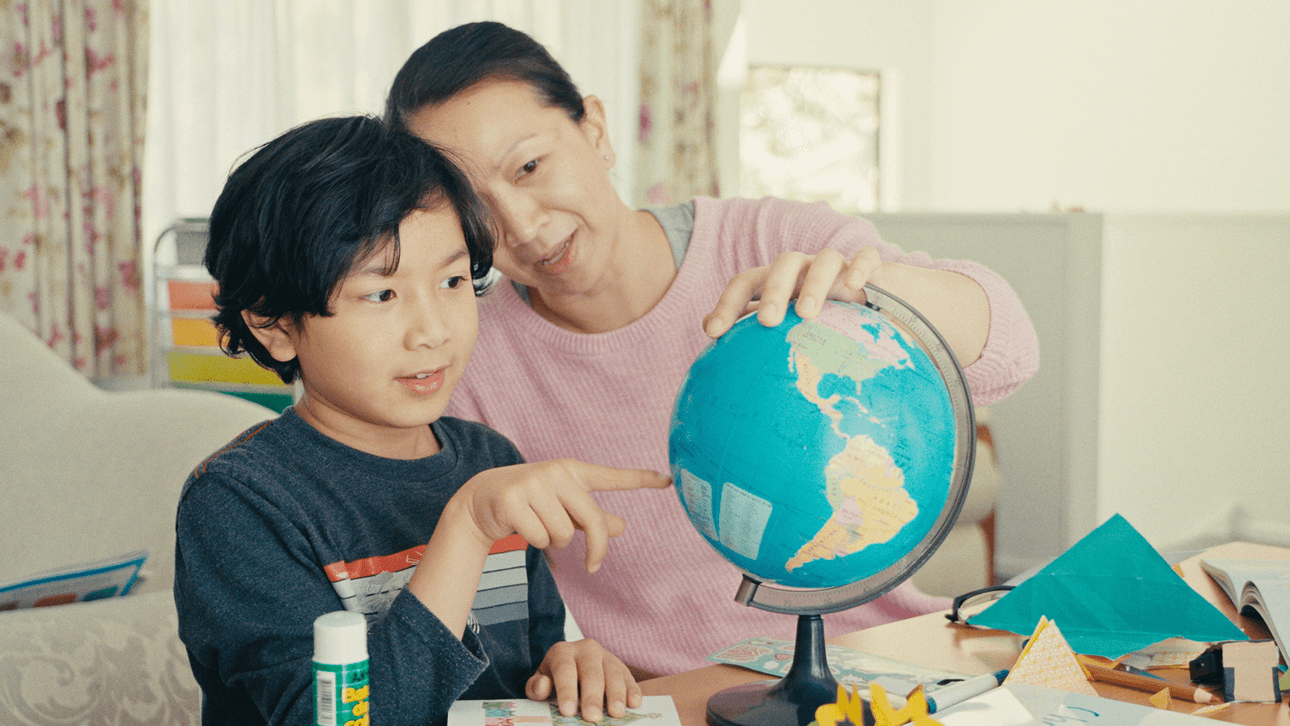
308 207
461 57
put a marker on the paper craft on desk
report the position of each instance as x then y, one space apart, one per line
1113 594
1049 662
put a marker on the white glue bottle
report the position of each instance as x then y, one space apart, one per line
340 670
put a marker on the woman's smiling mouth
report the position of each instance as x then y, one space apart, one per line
560 260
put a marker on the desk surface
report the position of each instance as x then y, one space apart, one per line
931 640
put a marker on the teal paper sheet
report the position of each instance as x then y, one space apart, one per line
1110 594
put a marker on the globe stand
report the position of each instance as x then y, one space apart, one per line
808 683
794 698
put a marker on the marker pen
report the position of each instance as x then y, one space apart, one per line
340 670
957 693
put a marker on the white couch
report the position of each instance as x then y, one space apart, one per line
86 474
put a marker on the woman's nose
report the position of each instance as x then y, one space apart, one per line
521 216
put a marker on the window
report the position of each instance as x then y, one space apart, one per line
811 134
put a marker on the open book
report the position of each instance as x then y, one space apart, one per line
95 580
1261 586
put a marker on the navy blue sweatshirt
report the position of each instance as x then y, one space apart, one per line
285 524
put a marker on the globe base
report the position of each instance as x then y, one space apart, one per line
794 698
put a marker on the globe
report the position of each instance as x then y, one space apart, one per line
820 452
826 459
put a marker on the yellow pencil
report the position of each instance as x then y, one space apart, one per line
1146 683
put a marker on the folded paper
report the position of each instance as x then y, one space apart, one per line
1048 661
1113 594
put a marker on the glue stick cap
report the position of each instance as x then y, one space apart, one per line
340 638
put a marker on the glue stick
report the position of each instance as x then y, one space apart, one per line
340 670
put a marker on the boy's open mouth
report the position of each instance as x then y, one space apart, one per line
423 383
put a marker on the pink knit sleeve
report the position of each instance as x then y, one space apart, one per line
1011 353
772 226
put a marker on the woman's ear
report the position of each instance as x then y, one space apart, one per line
596 129
277 337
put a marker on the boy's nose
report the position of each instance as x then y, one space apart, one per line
427 326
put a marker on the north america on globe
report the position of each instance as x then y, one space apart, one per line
863 484
815 453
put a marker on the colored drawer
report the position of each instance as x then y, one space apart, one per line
185 366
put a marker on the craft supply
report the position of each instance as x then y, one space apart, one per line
340 669
957 693
1145 683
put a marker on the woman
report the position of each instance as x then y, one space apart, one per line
606 307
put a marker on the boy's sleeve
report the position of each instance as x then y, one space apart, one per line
247 590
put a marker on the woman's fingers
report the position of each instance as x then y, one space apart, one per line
811 279
818 282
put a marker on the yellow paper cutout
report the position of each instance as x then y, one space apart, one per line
849 711
913 712
845 711
1048 661
1161 699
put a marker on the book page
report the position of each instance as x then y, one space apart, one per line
654 710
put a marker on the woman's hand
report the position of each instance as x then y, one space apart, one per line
585 677
953 303
812 279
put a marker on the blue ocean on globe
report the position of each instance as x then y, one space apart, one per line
815 453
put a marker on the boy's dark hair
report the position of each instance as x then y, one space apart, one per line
461 57
305 209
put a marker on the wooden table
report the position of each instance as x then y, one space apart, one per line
931 640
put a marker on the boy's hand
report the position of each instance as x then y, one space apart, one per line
586 677
545 502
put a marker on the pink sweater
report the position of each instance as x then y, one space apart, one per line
664 600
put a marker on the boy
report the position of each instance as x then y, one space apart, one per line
349 255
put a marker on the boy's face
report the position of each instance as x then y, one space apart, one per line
381 368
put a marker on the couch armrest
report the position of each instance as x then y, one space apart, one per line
107 661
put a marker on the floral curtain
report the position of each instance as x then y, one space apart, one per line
72 84
676 153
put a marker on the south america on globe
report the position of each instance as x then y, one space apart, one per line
816 453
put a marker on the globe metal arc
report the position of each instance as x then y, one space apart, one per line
747 401
761 497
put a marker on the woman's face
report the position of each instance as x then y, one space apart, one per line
543 176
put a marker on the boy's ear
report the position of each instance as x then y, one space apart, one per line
276 337
596 128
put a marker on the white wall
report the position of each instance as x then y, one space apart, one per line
1116 105
1171 119
1195 390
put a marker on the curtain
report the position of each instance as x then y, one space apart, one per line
676 153
72 84
233 74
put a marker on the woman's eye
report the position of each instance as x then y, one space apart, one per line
379 296
528 168
452 283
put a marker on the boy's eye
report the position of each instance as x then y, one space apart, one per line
380 296
453 282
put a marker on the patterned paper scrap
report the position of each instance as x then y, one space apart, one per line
654 711
1048 661
849 666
